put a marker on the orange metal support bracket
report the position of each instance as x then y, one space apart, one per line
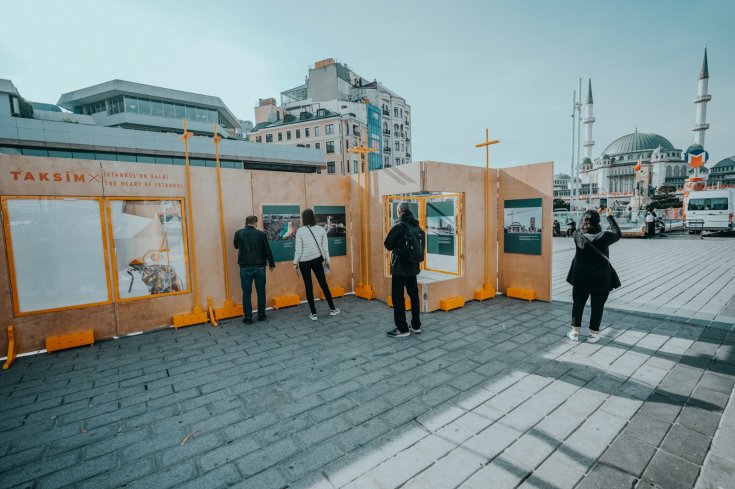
12 350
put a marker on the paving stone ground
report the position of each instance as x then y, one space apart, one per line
677 276
491 395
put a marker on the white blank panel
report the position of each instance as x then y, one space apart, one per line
58 253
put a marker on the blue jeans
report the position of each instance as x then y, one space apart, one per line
247 276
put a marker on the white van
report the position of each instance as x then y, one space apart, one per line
713 207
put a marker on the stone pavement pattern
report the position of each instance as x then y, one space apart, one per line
491 395
673 276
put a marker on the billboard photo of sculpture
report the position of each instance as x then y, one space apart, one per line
522 226
332 219
150 247
280 223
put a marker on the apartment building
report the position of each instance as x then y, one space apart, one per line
330 111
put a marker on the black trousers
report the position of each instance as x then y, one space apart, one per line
399 304
650 230
315 266
580 296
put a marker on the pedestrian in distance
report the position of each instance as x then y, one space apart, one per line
312 256
591 273
405 241
650 225
254 252
571 227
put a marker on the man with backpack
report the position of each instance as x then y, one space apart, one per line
406 242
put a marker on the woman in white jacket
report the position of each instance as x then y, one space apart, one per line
311 251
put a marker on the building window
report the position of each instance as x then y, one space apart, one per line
330 167
330 146
316 131
269 138
398 161
258 139
347 144
298 133
398 145
288 135
329 129
317 145
306 132
308 145
386 161
342 167
354 166
280 136
395 111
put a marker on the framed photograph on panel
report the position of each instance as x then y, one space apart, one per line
280 223
57 251
332 219
149 247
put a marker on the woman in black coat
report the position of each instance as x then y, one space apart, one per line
591 274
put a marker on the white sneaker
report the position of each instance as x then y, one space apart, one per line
573 336
593 338
313 317
334 312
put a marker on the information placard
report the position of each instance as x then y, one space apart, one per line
280 223
332 219
522 226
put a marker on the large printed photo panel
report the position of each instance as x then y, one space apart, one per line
150 252
57 253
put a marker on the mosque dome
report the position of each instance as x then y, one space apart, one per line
637 141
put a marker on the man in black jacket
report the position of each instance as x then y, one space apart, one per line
253 253
404 270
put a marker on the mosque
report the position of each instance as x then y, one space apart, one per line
634 164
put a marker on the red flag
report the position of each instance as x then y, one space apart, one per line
638 165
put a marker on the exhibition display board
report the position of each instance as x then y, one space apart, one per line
280 223
106 246
333 219
57 253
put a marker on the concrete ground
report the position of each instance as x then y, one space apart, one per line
677 276
489 396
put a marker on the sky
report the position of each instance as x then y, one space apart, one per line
463 66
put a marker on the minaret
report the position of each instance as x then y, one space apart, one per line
588 121
701 102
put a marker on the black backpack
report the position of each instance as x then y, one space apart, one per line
411 247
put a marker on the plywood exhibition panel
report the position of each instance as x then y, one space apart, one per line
520 269
24 175
333 190
470 181
275 188
237 203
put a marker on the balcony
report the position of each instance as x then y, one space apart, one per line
408 155
386 112
386 132
700 127
387 150
408 123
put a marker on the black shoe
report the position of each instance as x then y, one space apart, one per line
415 330
247 320
262 318
396 333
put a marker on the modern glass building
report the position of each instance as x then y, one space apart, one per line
140 125
120 103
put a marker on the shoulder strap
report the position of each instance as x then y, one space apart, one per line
596 250
317 242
